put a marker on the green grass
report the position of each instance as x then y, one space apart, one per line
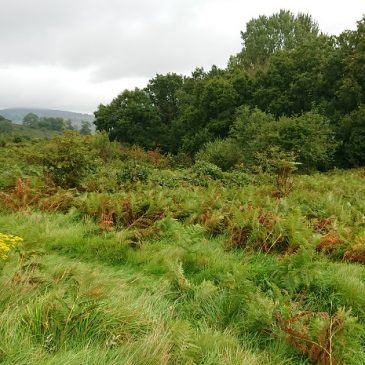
179 272
25 132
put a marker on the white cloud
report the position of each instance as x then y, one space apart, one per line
58 88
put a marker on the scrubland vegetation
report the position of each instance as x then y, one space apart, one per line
134 257
217 218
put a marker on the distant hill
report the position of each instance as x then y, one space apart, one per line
16 115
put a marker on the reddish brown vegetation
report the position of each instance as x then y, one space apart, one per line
323 225
20 197
329 242
319 346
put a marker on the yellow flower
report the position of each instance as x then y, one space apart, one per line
7 242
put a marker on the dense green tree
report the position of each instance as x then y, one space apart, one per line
352 133
294 82
51 123
254 130
310 138
163 91
355 61
85 128
132 118
266 35
31 120
5 125
291 87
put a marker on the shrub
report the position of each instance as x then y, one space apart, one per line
204 169
133 172
280 164
105 149
67 160
223 153
310 138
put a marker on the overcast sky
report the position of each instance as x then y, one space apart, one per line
76 54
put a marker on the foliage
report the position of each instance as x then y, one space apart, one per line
32 120
67 160
223 153
266 35
85 128
288 71
5 125
204 169
254 131
180 265
280 164
353 134
310 138
132 172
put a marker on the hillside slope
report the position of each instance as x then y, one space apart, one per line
16 115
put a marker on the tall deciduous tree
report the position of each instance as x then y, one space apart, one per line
133 118
266 35
31 120
164 93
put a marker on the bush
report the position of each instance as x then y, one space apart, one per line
223 153
204 169
352 132
67 160
132 172
106 150
310 138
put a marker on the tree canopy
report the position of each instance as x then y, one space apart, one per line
290 86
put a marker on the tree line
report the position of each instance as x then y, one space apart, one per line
32 120
291 88
56 124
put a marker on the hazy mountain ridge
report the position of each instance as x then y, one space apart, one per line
16 115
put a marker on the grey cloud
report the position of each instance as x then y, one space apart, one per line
76 53
119 38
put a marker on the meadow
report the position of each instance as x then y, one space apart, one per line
135 257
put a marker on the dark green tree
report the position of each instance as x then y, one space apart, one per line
352 133
311 139
294 82
31 120
5 125
253 130
132 118
164 93
51 123
68 125
85 128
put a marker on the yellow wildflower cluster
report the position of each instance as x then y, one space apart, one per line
7 242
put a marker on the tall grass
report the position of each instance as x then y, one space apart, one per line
182 267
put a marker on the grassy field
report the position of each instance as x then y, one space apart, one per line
149 262
19 133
